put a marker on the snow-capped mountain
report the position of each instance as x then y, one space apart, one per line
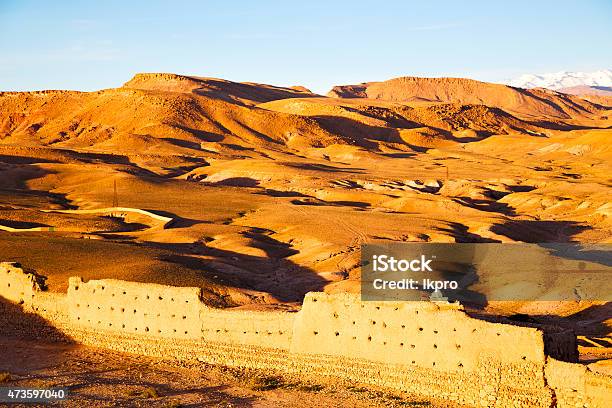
563 79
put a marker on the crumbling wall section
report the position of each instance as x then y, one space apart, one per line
506 361
159 311
432 335
18 285
575 385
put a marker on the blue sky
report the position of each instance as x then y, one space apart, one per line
101 44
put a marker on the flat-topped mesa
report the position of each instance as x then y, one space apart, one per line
162 81
527 103
300 88
43 92
247 93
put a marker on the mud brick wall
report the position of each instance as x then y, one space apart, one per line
264 329
171 312
431 349
575 386
146 309
439 336
17 284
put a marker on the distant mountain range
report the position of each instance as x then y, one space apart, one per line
558 81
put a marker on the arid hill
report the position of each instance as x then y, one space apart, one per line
272 190
167 113
246 93
528 103
587 90
152 120
601 95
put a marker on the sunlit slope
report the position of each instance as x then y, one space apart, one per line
528 103
271 190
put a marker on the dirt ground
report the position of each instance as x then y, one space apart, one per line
103 378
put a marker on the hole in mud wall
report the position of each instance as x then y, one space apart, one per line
138 308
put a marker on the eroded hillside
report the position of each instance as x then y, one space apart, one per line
272 190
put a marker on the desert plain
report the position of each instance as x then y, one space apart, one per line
259 194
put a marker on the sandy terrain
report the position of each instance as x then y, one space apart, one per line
95 377
272 190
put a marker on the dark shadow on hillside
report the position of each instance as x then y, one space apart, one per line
17 191
486 205
279 193
235 182
315 202
587 322
369 136
187 144
32 172
461 233
272 273
21 224
203 135
24 160
323 167
534 231
107 158
521 188
392 118
548 124
400 155
582 252
529 94
234 92
178 222
272 247
195 163
358 133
